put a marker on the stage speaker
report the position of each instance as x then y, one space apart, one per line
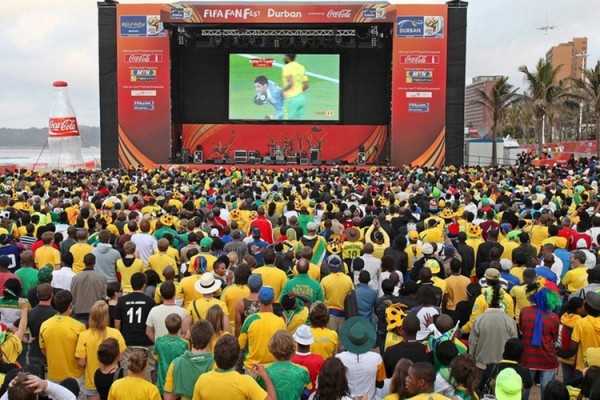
361 158
315 154
185 155
198 157
240 156
280 161
303 161
229 160
280 158
219 160
267 160
330 162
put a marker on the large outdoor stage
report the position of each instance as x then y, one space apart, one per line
281 85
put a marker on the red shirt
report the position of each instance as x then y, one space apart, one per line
541 357
39 244
265 226
312 362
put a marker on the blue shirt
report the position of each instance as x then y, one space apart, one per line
275 98
365 299
256 249
546 273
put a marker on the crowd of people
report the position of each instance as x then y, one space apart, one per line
319 283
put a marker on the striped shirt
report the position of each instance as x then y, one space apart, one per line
541 357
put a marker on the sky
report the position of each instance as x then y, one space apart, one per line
43 41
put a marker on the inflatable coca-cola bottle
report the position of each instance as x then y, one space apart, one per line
63 133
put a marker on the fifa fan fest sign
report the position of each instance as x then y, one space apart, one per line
149 124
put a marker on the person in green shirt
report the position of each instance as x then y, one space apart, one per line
304 284
27 273
168 348
185 370
289 379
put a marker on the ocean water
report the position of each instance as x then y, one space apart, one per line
30 156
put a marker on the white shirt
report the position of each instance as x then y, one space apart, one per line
362 372
158 314
61 278
145 245
373 265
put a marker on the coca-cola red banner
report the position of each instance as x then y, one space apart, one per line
63 127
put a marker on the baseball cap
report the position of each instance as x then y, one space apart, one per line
4 261
505 264
206 242
311 226
413 235
256 232
335 263
45 273
508 385
266 294
214 232
492 273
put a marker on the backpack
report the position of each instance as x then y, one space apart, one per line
350 305
200 265
563 344
490 385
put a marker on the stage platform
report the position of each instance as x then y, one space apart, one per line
274 167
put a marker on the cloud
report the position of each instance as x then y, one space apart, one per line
44 41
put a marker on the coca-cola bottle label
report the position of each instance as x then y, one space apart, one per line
63 127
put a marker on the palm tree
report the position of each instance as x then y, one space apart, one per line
589 88
543 93
497 102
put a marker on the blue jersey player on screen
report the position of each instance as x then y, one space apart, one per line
267 91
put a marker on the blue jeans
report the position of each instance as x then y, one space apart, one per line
545 377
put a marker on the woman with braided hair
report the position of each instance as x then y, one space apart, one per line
494 326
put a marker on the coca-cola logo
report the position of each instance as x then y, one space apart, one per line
143 58
420 59
345 13
63 127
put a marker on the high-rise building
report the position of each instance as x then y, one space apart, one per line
477 118
571 56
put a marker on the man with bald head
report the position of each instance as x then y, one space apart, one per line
27 274
303 283
236 245
314 271
442 331
372 264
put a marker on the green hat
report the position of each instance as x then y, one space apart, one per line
206 242
45 274
508 385
358 335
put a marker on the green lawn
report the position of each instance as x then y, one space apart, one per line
322 95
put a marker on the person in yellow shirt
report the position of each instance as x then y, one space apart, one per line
419 383
159 261
207 285
576 278
226 383
336 286
205 264
295 83
234 293
273 277
89 341
58 340
258 329
47 255
79 250
134 386
128 266
326 340
492 277
169 274
519 293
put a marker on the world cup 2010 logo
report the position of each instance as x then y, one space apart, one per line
63 127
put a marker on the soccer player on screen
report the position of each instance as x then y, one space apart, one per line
267 91
295 82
